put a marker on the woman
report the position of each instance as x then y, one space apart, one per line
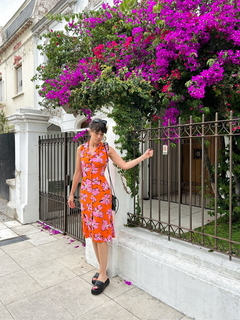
96 206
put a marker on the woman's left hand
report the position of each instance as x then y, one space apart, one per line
148 154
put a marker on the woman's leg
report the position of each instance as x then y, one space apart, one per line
95 247
102 251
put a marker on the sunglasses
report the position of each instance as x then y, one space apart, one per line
100 120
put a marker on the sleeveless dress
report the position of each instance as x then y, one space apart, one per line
95 195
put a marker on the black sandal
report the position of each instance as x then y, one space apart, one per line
100 286
95 277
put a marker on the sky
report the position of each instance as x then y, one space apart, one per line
7 9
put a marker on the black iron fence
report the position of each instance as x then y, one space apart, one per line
190 189
7 162
57 155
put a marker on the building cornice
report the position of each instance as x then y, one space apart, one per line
93 4
44 23
16 35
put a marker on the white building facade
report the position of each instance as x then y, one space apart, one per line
17 55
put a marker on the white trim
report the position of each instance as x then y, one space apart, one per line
18 95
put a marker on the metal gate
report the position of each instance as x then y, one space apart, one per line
7 162
57 155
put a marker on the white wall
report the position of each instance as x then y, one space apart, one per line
202 285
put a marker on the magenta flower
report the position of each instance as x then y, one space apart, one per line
48 228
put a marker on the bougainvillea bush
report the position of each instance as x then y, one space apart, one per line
145 59
180 56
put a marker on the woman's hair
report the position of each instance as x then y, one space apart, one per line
98 125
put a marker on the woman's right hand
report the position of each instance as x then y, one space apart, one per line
71 202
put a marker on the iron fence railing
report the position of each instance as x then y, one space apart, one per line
57 155
190 189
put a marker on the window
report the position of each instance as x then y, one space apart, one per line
19 79
1 90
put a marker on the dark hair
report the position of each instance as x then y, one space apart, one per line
98 125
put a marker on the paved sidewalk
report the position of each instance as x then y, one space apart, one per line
44 276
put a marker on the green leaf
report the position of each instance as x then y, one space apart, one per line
188 83
206 110
217 92
157 8
160 23
210 62
127 5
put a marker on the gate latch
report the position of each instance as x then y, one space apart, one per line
67 180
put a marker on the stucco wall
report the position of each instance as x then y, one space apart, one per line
200 284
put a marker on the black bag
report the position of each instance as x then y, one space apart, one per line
114 202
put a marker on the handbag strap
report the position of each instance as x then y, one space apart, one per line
106 146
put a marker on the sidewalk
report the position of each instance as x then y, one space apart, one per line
44 276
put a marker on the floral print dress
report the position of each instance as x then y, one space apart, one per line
95 195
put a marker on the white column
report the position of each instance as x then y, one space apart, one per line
11 206
29 125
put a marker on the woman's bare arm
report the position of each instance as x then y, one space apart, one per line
130 164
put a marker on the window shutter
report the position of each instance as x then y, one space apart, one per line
19 79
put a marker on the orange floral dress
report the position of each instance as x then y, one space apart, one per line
95 195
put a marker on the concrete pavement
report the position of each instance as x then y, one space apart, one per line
44 276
